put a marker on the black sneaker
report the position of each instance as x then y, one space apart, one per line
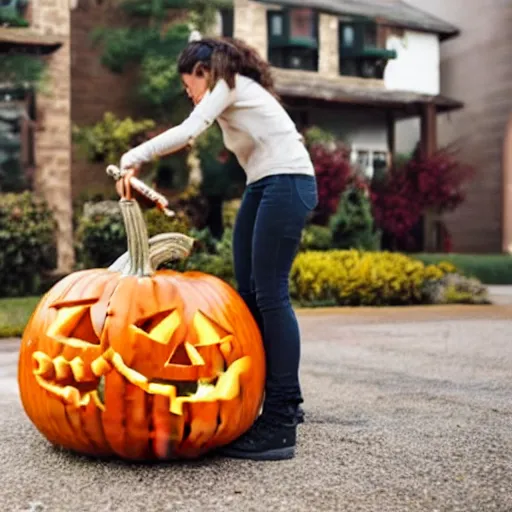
267 439
300 415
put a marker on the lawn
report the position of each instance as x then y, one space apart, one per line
488 268
14 315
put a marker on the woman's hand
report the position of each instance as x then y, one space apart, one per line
123 185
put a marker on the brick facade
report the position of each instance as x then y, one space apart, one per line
94 89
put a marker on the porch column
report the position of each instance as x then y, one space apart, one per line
391 132
428 146
53 135
507 189
428 141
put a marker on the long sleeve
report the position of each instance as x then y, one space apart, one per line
176 138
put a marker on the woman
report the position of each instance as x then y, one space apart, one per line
229 83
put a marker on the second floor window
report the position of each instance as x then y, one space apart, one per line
361 54
293 39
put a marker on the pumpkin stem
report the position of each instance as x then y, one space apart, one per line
137 238
162 248
169 247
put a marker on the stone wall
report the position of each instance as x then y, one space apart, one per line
250 22
329 58
53 135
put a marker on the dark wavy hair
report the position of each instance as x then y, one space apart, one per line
224 58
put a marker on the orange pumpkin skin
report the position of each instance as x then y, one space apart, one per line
162 366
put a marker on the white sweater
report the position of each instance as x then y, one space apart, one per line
255 127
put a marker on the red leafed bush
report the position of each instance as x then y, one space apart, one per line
433 183
439 180
333 173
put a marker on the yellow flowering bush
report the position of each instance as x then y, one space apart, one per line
356 278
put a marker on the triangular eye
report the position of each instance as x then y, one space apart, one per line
73 326
208 331
161 327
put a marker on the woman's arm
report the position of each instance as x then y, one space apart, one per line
178 137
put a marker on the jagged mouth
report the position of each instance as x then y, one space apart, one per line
78 385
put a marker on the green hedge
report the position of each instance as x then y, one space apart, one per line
27 238
488 268
101 236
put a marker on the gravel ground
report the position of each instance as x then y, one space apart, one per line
407 410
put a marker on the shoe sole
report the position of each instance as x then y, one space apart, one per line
277 454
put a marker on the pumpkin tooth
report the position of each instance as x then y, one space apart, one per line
155 388
97 400
129 374
227 387
78 369
101 366
44 366
62 368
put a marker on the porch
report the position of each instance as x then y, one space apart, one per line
310 98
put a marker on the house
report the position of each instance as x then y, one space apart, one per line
476 68
356 68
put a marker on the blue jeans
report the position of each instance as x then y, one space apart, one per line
267 235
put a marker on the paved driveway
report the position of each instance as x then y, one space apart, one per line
407 410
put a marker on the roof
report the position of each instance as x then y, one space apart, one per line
392 12
354 91
28 40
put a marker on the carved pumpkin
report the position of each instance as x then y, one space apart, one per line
141 363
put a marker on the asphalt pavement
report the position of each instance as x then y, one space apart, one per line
407 409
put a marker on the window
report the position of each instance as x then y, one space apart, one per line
360 54
16 140
277 29
13 13
293 39
370 35
227 22
302 24
348 38
372 163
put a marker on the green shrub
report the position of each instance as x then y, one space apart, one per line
456 289
27 237
107 140
211 256
316 238
487 268
352 225
316 135
101 236
229 212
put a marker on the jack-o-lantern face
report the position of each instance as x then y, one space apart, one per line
158 366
